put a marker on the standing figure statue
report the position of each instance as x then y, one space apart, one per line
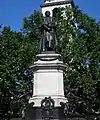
48 30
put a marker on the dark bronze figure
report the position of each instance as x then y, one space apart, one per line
75 104
65 106
23 112
48 30
47 106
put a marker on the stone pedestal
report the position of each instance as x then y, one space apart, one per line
48 85
48 79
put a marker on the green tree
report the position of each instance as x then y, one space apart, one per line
79 45
31 28
17 53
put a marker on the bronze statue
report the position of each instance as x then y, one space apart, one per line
48 30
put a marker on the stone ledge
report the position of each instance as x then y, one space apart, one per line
49 66
49 56
56 3
37 100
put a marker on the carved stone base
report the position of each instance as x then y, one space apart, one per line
48 78
35 113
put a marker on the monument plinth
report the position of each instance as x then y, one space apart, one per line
48 88
48 79
48 101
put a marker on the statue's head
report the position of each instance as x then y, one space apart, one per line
47 13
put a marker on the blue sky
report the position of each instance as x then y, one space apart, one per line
12 12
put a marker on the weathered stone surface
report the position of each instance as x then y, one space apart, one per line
48 79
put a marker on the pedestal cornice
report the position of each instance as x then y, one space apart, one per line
50 66
48 61
56 3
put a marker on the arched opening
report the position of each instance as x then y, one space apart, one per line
55 11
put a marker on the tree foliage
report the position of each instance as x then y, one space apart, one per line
17 53
79 44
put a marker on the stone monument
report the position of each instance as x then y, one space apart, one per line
48 101
48 90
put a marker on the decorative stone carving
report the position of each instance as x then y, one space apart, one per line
47 106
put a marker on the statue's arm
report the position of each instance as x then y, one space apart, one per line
46 27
